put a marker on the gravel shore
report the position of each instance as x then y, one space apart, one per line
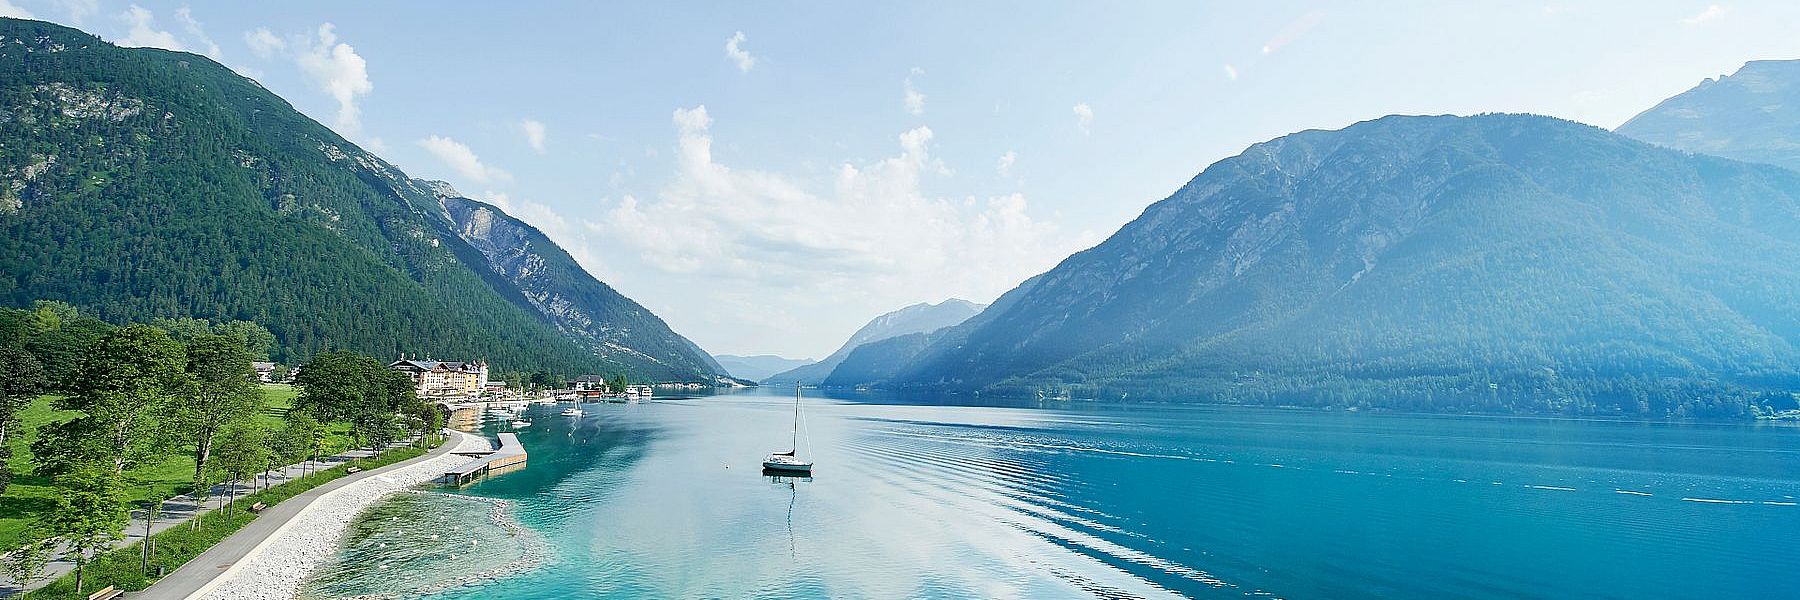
274 570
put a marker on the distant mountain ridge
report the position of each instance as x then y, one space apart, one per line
1498 263
139 183
758 367
918 318
1751 115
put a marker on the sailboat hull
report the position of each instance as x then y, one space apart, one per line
787 463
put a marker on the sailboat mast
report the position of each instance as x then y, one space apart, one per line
795 444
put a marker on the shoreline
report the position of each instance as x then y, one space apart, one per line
499 514
276 567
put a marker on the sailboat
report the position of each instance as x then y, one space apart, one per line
790 461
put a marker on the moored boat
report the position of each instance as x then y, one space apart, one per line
790 461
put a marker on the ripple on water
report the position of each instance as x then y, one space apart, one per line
424 542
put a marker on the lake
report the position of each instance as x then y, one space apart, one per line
666 499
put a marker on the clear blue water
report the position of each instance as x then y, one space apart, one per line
666 499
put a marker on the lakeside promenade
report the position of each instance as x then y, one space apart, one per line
180 509
201 574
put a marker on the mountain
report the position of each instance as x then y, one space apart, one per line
758 367
879 360
1751 115
605 322
1498 263
138 183
918 318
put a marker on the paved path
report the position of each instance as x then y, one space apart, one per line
178 510
212 563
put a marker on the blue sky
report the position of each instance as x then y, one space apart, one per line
769 176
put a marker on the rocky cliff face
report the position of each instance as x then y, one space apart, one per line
602 320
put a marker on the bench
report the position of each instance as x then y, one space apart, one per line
353 470
106 593
258 507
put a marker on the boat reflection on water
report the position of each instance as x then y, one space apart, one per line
789 479
786 476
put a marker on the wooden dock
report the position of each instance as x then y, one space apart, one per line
510 455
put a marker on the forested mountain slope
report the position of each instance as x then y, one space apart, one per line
918 318
1493 263
142 183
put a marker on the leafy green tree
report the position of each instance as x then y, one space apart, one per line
90 513
243 451
223 393
258 341
336 385
301 438
58 337
126 387
350 387
617 383
21 379
538 380
26 563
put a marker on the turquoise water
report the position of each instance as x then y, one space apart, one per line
665 499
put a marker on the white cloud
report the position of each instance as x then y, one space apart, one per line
194 29
1231 72
7 9
868 227
78 10
1084 117
534 133
142 32
1711 13
264 43
375 145
460 158
735 50
1005 165
339 71
915 101
1293 31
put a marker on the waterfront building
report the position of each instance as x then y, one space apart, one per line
444 379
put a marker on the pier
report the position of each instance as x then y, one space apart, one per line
510 454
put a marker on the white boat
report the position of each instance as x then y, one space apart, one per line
790 461
572 412
520 424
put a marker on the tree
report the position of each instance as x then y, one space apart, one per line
617 383
25 564
21 379
541 379
89 513
124 387
257 339
355 388
223 393
243 451
334 385
59 338
301 438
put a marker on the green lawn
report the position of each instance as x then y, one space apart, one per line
30 496
174 547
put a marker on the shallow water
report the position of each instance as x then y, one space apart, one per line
666 499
